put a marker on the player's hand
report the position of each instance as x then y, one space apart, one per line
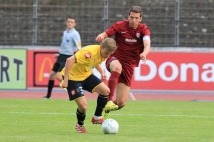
100 38
143 57
103 76
64 84
56 55
75 51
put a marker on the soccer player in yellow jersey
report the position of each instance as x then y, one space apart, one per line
78 76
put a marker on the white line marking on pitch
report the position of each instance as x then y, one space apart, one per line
149 115
132 96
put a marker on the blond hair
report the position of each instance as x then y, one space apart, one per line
109 44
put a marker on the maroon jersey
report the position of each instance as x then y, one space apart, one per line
129 41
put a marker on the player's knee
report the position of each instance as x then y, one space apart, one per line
105 92
116 67
83 108
52 76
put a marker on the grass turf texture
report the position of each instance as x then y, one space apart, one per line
37 120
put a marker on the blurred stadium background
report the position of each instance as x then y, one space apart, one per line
183 23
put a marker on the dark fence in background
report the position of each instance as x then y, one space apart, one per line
184 23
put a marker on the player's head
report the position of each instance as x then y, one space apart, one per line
71 22
108 46
135 16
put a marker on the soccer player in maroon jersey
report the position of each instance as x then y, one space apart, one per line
133 41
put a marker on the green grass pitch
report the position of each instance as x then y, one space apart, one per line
37 120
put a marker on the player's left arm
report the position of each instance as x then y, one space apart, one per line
102 72
108 33
147 45
77 43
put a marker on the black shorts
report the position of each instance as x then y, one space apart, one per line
60 63
75 88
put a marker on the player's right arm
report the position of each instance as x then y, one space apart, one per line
109 32
101 37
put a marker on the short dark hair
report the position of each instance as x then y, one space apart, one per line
136 9
72 17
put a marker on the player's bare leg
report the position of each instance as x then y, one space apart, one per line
122 93
58 76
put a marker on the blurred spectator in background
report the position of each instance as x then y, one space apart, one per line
71 42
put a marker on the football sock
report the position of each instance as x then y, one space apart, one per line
80 117
50 87
101 102
112 83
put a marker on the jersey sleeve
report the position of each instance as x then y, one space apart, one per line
111 30
146 31
77 41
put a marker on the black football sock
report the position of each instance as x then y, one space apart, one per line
80 117
101 102
50 87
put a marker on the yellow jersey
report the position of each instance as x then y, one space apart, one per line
86 59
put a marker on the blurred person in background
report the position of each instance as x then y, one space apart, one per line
71 42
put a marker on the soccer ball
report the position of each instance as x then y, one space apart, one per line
110 126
